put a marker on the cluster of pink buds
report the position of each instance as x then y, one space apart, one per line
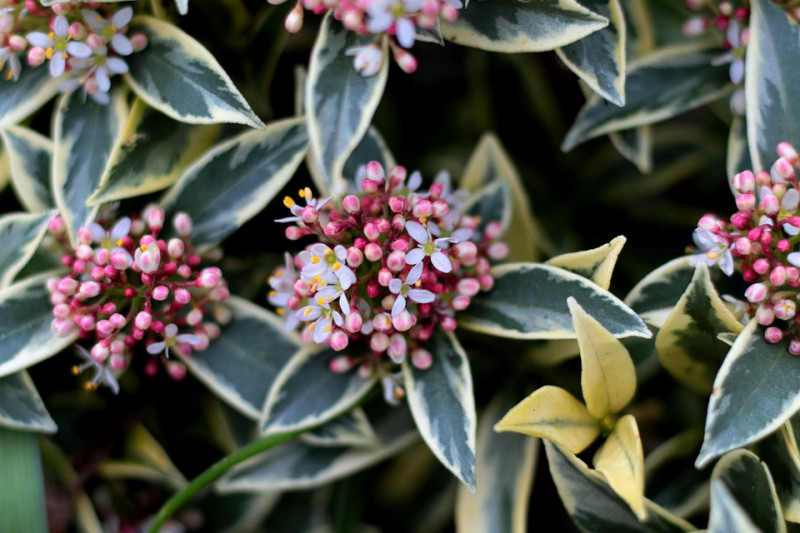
397 19
127 287
83 47
388 266
761 242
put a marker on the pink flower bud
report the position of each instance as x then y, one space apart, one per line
88 289
487 282
375 172
787 150
371 231
497 251
339 340
354 257
396 261
757 292
17 43
744 182
100 353
781 170
708 222
68 286
384 277
746 201
194 317
398 204
309 214
794 346
176 370
421 359
761 265
143 320
785 309
184 271
209 277
695 26
448 323
176 248
397 348
56 225
36 56
341 364
353 322
773 334
765 315
77 31
382 322
86 323
368 185
466 251
139 42
351 203
378 342
468 286
373 252
778 276
742 246
160 293
117 362
459 303
423 208
183 224
63 327
440 208
294 20
182 295
120 259
105 328
403 321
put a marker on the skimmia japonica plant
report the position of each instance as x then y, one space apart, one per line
208 244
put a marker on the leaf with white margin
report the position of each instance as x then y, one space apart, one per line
22 233
593 504
298 465
140 165
726 512
657 87
349 429
671 479
246 358
84 134
30 156
599 58
236 179
772 84
657 293
687 343
21 407
443 405
621 461
25 333
516 26
178 76
340 102
553 414
20 98
755 391
307 393
529 301
750 484
596 264
635 145
505 466
371 148
491 203
608 378
738 154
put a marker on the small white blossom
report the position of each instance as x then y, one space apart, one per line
715 251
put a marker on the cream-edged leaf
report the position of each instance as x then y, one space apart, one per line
621 462
491 203
348 429
246 358
442 402
22 233
608 378
143 458
635 145
554 414
726 512
657 293
21 407
255 165
178 76
340 102
517 26
84 135
596 264
30 157
20 98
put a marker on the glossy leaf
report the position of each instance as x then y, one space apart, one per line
349 429
599 58
291 405
30 156
371 148
22 97
256 166
340 102
22 233
442 402
178 76
85 134
657 87
143 458
654 297
596 264
491 203
554 414
21 407
726 513
529 301
621 461
515 26
687 343
755 391
635 145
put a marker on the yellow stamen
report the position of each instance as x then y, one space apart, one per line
315 259
272 294
327 328
712 254
423 220
301 193
418 283
321 300
337 266
312 326
328 251
9 75
120 242
288 202
75 370
51 35
99 18
65 56
48 53
280 310
307 311
143 247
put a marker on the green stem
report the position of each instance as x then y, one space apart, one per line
216 470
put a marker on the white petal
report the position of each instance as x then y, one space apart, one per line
736 71
93 19
726 263
414 181
121 228
320 333
156 347
790 230
344 304
794 258
379 22
441 262
77 49
790 200
405 32
101 77
421 296
417 232
121 44
61 26
188 338
97 231
122 17
704 239
37 38
461 234
116 65
171 330
415 256
57 65
395 285
413 275
399 305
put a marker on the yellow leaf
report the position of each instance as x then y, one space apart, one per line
608 378
553 413
621 461
596 264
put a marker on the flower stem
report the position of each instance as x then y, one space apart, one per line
216 470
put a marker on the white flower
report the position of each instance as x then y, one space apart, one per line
323 318
171 338
428 247
368 59
405 288
282 283
109 29
148 257
58 46
297 209
11 58
102 374
320 261
715 251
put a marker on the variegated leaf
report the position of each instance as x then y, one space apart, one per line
5 168
22 492
291 405
608 378
671 479
505 466
599 58
726 512
349 429
178 76
22 233
657 87
25 317
297 465
593 504
491 203
738 153
553 414
20 98
529 301
242 363
85 134
687 343
30 156
139 163
145 459
340 102
657 293
755 391
750 484
256 166
621 462
635 145
371 148
772 84
596 264
516 26
21 407
442 402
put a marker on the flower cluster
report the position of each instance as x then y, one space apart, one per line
127 287
760 241
399 20
83 47
388 266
